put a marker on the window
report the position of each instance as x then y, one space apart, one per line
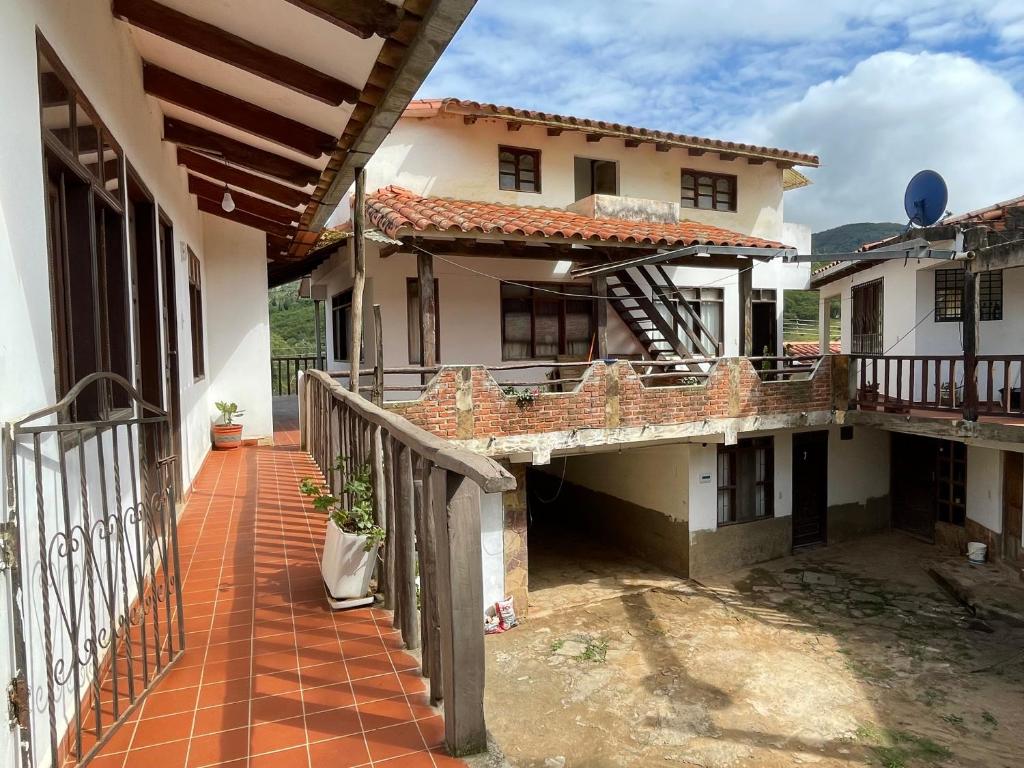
195 308
709 305
710 191
412 295
85 241
951 485
866 318
596 177
745 481
519 169
341 324
949 293
537 324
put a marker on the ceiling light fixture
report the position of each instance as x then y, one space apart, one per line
226 202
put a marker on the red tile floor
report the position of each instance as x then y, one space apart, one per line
271 677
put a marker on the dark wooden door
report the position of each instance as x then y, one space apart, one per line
1013 505
810 488
170 326
764 328
914 484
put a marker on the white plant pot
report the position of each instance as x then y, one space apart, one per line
346 565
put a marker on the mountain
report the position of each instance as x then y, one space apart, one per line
291 321
850 237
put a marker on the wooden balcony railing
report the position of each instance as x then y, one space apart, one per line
284 371
427 496
900 383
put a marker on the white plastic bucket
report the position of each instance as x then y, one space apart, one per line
976 551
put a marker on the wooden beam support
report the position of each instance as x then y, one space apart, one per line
511 127
248 219
225 108
428 307
216 168
554 131
359 281
224 46
201 187
632 143
745 279
593 138
599 287
239 153
696 152
662 147
755 161
363 18
469 119
975 239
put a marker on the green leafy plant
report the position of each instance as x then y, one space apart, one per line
357 518
524 397
229 411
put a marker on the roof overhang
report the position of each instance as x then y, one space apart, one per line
281 104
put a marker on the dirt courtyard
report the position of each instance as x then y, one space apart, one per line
842 656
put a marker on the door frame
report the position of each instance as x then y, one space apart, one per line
820 437
172 363
1012 549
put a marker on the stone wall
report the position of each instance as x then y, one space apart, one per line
466 402
517 571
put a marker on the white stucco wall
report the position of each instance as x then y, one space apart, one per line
492 547
703 487
985 487
238 322
858 469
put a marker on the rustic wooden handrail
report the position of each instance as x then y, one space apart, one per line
427 497
284 370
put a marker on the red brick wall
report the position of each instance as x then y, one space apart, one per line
732 389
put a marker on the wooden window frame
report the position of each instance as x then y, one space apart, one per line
542 298
858 333
342 302
730 178
949 508
949 295
195 308
412 287
99 245
701 295
730 454
519 152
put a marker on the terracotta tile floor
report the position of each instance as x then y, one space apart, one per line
270 677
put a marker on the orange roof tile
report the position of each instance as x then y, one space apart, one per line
397 211
432 107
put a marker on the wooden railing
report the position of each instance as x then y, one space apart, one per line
284 371
899 383
427 496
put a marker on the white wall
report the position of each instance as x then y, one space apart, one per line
703 497
985 487
492 547
858 469
238 323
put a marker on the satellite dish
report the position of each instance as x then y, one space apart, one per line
925 199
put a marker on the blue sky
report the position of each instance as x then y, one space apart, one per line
878 89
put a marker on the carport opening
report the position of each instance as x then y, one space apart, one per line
590 538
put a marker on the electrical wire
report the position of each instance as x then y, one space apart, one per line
558 492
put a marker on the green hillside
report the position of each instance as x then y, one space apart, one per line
291 322
850 237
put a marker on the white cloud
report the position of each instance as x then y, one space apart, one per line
895 114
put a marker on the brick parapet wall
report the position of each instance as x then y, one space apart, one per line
466 402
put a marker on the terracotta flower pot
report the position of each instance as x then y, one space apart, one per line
227 436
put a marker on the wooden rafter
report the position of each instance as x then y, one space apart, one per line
360 17
201 187
239 153
224 46
248 219
225 108
237 178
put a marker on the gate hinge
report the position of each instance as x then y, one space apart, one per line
17 702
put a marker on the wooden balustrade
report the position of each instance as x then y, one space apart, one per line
284 372
899 383
427 496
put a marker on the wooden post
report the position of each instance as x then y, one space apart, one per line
378 364
359 281
428 308
460 606
599 287
974 240
746 309
390 527
380 500
406 551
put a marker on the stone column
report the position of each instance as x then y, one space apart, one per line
516 560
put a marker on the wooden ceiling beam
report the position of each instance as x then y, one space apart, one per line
363 18
239 153
248 219
211 190
215 168
224 46
278 243
225 108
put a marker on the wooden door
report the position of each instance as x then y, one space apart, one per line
170 326
1013 505
913 484
810 488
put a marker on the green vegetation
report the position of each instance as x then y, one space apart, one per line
357 518
897 749
291 322
850 237
596 650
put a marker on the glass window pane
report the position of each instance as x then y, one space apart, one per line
55 100
546 328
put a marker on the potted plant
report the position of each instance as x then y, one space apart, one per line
227 434
353 536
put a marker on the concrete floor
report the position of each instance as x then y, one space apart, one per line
841 656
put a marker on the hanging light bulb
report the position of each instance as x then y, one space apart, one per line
226 202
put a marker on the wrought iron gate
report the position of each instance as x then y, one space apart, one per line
92 544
